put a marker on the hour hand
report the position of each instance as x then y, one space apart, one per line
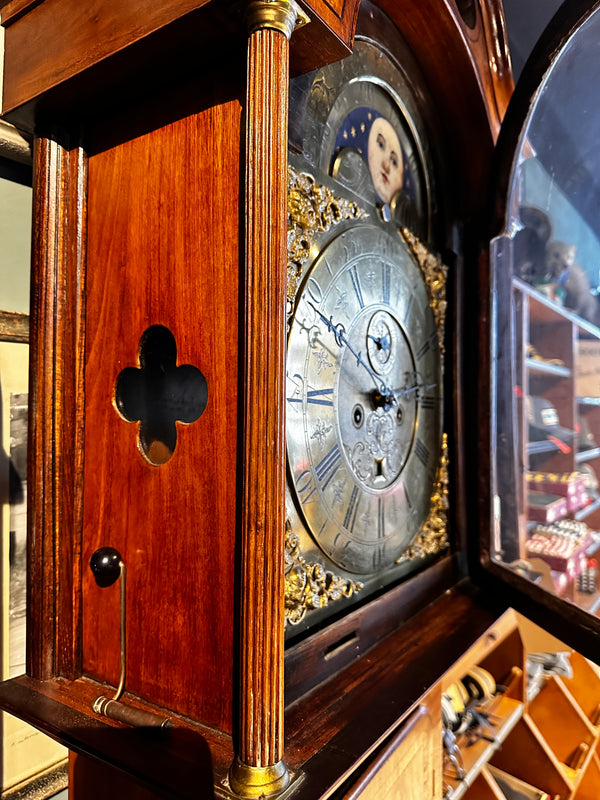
385 398
339 332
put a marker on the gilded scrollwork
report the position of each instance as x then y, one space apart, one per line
309 586
433 537
312 209
434 274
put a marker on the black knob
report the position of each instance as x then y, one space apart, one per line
106 566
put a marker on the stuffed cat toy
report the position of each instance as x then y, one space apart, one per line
570 281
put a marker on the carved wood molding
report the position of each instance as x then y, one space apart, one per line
56 409
263 512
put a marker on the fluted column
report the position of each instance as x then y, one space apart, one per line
259 768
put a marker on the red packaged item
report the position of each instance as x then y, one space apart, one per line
547 507
571 485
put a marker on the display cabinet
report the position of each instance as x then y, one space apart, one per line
554 747
508 714
556 407
537 734
543 303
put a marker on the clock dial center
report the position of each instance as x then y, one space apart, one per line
375 450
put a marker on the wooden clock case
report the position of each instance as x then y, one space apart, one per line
160 200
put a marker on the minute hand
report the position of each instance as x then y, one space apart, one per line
339 333
404 391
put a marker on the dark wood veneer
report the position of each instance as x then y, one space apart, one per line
56 361
324 653
329 731
49 49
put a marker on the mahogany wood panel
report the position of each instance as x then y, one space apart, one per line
328 37
263 514
183 762
55 422
91 780
164 249
497 78
51 41
61 53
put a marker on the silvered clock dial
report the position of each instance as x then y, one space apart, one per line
363 399
366 490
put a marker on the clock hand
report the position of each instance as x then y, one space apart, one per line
384 395
405 391
382 342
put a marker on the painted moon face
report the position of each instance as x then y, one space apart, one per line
386 164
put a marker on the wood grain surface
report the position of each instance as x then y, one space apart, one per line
164 249
52 43
409 766
53 40
332 733
55 426
263 512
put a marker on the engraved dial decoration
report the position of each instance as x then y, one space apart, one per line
362 127
363 399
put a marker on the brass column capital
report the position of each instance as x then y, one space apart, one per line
279 15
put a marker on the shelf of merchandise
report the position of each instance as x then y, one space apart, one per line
550 742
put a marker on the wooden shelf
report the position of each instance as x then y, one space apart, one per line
505 712
544 310
551 333
545 368
550 743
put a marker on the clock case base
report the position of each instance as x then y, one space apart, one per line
329 733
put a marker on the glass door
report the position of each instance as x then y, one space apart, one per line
545 312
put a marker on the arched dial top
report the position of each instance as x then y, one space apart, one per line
363 399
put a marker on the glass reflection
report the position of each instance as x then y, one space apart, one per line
547 389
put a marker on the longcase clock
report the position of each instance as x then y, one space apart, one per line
247 364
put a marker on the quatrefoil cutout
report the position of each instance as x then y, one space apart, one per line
159 394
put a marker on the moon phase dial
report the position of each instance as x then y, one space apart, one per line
363 391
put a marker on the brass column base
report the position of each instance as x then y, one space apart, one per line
247 781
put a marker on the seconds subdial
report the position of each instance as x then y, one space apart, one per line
378 447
